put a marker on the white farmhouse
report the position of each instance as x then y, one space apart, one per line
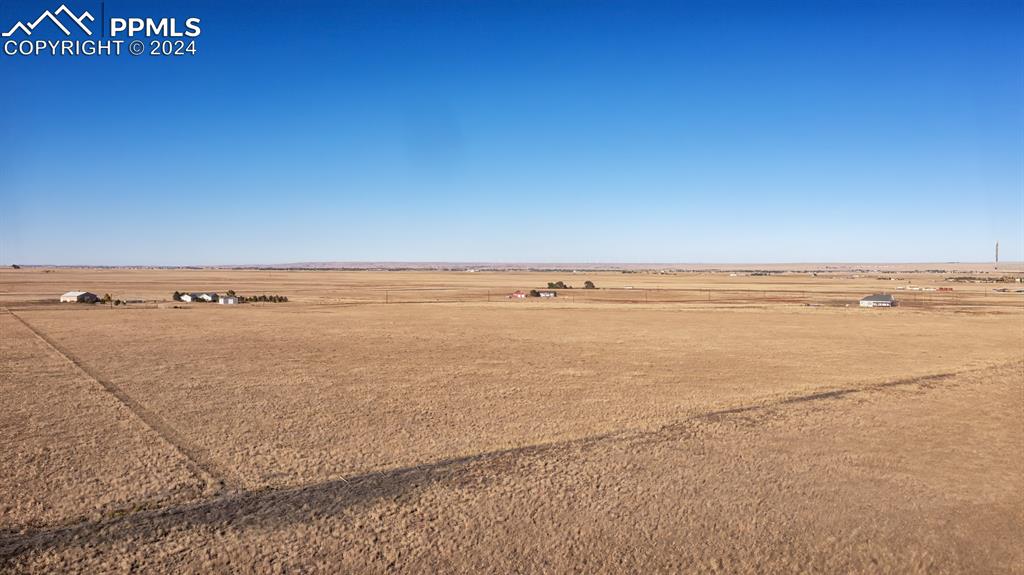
878 300
198 296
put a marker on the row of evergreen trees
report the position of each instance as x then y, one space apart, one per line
562 285
266 298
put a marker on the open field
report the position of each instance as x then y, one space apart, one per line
420 421
342 287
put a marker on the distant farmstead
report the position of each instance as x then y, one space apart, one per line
878 300
199 296
79 297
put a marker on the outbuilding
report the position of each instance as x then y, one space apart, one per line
79 297
878 300
518 294
227 300
199 296
547 293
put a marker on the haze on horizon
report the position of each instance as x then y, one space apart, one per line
529 132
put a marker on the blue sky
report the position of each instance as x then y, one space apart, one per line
526 131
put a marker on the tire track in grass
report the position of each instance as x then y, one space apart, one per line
198 459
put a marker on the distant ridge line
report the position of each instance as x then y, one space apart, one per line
1008 268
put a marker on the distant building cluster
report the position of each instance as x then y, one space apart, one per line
230 298
190 297
520 294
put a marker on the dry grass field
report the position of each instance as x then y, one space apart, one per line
421 421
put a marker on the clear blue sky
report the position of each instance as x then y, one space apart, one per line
527 131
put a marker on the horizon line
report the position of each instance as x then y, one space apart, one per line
521 263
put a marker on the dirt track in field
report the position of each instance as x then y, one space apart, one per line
198 460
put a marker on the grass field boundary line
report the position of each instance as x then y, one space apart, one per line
196 458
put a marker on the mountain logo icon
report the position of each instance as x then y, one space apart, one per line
27 28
